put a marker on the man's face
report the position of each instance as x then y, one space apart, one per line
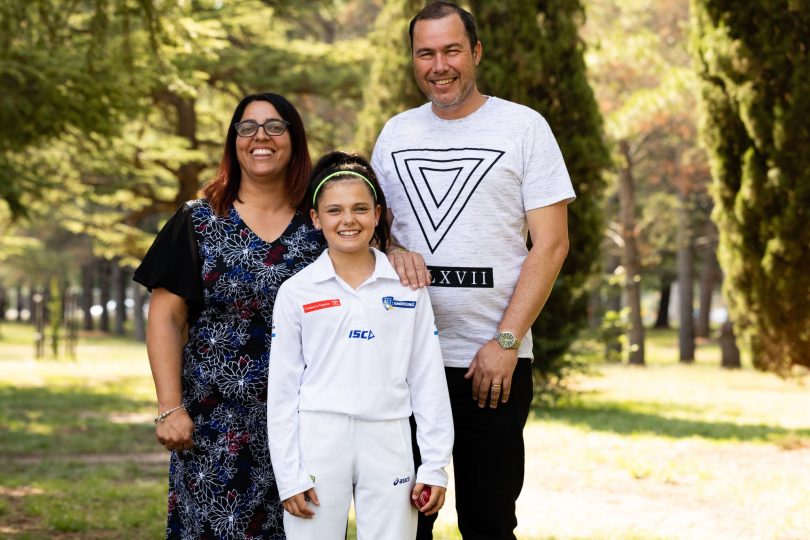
443 63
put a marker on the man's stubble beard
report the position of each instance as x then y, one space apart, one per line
464 93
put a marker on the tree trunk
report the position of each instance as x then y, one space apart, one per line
686 330
137 316
632 265
3 300
71 322
188 175
120 294
20 302
611 324
33 290
38 317
104 282
730 358
708 281
87 295
662 320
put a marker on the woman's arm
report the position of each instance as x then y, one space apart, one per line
168 316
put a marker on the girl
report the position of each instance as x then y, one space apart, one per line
354 353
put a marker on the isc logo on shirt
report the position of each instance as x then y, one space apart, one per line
361 334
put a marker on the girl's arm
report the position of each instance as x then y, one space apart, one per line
284 383
168 315
431 405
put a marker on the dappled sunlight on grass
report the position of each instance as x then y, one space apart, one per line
53 420
123 499
663 452
621 418
671 451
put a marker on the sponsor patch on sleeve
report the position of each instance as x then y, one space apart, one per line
321 304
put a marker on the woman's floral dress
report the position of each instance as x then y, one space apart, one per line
224 487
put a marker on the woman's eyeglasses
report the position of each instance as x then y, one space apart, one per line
273 126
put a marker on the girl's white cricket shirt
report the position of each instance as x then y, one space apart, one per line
371 353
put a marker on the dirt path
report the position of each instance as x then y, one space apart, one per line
686 489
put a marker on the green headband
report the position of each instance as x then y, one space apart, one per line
343 173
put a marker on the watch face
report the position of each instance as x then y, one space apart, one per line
506 340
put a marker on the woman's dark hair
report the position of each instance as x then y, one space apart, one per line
439 10
334 162
223 190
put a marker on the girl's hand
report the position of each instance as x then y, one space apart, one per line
436 500
175 431
297 504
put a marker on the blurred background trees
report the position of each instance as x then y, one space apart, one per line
533 55
754 66
114 112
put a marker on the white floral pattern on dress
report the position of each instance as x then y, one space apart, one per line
224 488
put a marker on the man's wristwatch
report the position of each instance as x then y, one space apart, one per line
507 340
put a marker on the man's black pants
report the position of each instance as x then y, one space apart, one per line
488 457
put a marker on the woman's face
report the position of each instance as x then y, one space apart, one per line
263 157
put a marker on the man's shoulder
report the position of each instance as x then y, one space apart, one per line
515 112
411 115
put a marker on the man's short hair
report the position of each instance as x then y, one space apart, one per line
439 9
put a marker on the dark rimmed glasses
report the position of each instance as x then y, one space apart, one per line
273 126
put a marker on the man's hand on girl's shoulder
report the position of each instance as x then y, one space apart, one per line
410 267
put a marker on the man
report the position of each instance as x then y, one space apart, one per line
466 176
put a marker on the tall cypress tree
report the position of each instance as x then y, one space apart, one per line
391 88
533 55
753 61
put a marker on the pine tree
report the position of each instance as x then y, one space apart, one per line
753 61
533 55
390 88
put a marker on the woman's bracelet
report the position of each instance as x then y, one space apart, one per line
161 417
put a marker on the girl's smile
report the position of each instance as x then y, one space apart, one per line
347 215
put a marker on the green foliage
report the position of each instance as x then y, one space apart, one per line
533 55
755 70
116 176
63 66
390 88
611 332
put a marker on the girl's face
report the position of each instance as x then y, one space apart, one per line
347 215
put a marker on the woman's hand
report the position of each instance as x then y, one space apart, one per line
168 315
176 430
297 504
436 500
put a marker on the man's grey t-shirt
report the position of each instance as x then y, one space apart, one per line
459 191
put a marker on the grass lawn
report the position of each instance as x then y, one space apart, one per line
662 452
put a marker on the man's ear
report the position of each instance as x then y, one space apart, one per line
478 52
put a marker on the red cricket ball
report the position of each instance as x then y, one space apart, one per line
423 498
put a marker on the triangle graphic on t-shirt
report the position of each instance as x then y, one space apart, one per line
439 183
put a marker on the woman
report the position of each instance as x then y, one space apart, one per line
216 267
